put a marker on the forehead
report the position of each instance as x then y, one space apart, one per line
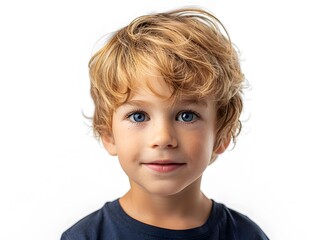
154 83
151 84
153 87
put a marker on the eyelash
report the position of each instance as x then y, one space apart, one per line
196 116
129 115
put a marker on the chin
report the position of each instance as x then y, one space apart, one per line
166 189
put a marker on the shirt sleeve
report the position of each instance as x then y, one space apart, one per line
65 236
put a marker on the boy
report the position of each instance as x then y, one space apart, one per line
167 94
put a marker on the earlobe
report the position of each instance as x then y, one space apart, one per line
109 144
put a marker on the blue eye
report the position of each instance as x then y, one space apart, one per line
187 116
137 117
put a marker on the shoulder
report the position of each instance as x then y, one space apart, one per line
240 225
90 226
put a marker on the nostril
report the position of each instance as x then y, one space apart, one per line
164 142
162 135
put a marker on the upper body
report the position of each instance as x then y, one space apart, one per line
112 223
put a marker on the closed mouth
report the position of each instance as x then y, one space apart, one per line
164 166
164 162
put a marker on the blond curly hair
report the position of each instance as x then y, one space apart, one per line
191 50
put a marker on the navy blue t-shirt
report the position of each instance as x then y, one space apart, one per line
112 223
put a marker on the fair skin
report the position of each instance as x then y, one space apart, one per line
164 150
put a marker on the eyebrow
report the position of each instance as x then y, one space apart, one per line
139 102
192 102
136 103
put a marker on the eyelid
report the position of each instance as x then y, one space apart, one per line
129 115
197 115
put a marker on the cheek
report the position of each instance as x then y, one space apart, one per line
128 145
200 144
122 133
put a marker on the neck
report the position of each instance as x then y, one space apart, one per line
187 209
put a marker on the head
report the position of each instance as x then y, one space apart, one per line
192 52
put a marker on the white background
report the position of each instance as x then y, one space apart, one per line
53 172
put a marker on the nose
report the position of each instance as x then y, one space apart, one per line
162 135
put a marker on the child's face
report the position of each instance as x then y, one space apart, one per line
163 148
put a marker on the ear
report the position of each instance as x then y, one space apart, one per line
223 146
109 144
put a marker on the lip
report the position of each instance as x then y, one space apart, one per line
164 166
